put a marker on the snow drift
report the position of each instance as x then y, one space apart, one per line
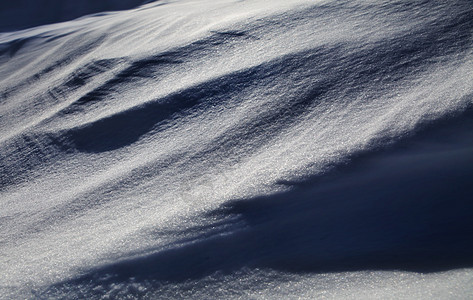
231 149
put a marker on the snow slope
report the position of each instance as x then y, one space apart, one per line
226 149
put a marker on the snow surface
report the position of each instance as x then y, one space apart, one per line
240 149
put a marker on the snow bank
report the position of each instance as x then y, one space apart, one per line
159 150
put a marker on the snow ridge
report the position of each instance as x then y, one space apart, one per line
202 142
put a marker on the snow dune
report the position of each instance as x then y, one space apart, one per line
226 149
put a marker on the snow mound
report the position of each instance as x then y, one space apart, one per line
239 145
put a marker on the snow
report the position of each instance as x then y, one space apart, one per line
226 149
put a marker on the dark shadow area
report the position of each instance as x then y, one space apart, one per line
13 47
408 207
22 14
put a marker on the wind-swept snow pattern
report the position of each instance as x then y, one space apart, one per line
240 149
